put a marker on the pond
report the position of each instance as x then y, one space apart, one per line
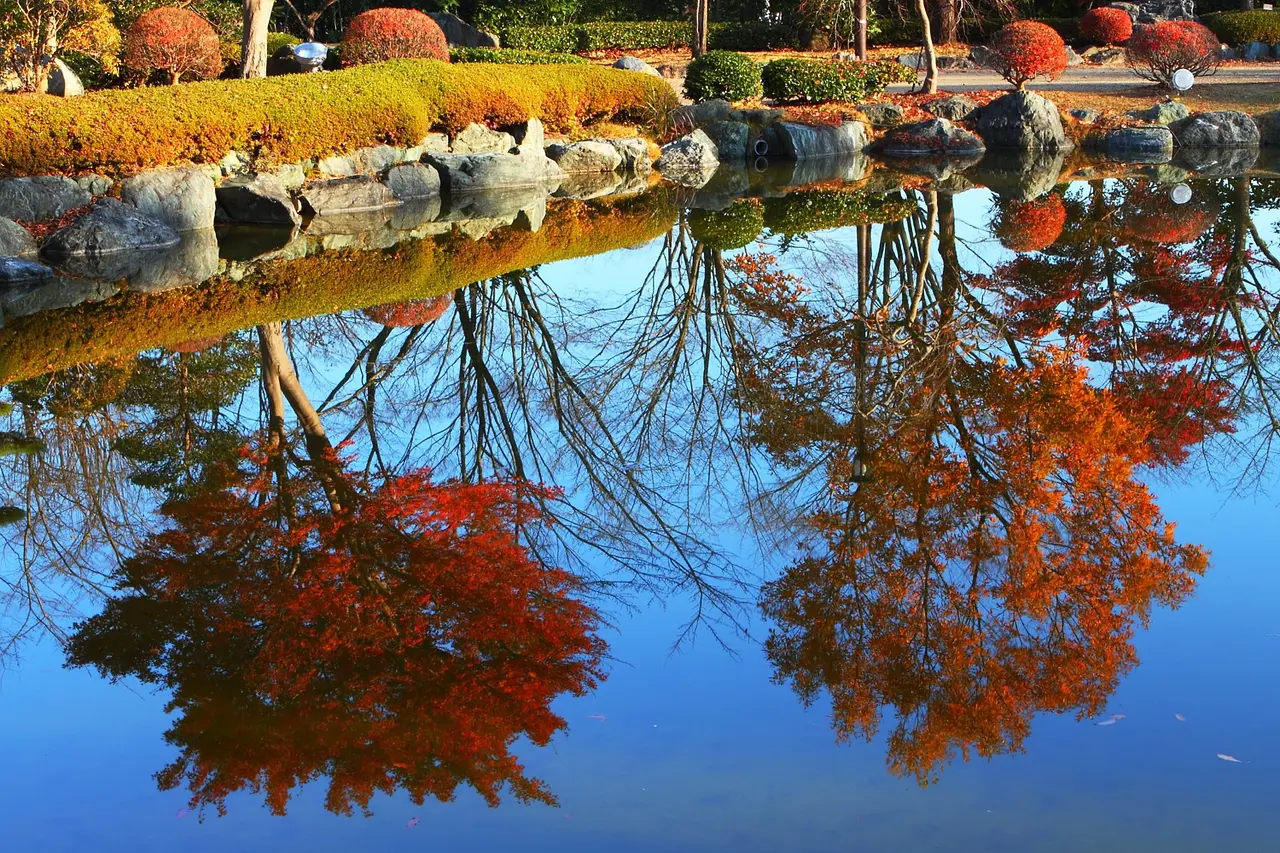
848 516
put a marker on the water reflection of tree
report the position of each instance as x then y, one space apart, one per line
385 632
978 547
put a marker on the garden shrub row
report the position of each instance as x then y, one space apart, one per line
645 35
1240 28
506 56
795 80
722 74
291 118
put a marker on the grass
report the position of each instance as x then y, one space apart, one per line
296 117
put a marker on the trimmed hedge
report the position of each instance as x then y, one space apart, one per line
1239 28
290 118
326 282
818 82
504 56
646 35
722 74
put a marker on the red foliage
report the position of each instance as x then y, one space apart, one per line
1027 50
381 34
402 641
176 41
1181 410
1155 51
1031 226
1149 217
414 312
1106 25
196 344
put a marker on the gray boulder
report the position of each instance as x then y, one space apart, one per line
953 108
762 116
183 199
881 114
1073 58
700 114
731 139
478 139
935 137
590 155
1131 9
1105 56
1022 120
1268 127
413 181
461 34
258 200
634 152
22 271
630 63
1139 144
690 160
95 184
15 241
801 141
1222 129
40 199
1165 113
111 227
1085 116
465 173
346 195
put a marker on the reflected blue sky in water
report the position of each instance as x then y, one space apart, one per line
700 751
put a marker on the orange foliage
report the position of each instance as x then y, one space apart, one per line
1030 226
412 312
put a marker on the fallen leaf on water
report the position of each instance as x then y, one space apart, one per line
1230 758
413 821
599 717
1115 718
1180 718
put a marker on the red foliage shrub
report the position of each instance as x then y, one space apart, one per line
381 34
1025 50
1030 226
1155 51
1149 217
176 41
414 312
1106 25
196 345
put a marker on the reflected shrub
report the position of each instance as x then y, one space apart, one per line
1029 226
728 229
414 312
818 210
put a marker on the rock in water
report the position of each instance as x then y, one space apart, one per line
346 195
258 200
1140 144
802 141
413 181
183 199
689 160
1022 120
1222 129
110 227
590 155
730 138
935 137
478 139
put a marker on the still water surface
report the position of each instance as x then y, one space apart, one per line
951 531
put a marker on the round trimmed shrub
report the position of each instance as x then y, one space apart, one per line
722 74
381 34
728 229
1106 26
1156 51
175 42
1025 50
1030 226
793 80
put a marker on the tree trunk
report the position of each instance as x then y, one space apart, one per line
253 46
930 55
860 12
948 21
701 20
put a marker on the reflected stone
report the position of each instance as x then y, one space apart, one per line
1139 145
936 168
584 185
191 262
818 170
356 222
56 294
248 242
1165 174
1020 175
20 271
503 205
730 182
1217 162
412 215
